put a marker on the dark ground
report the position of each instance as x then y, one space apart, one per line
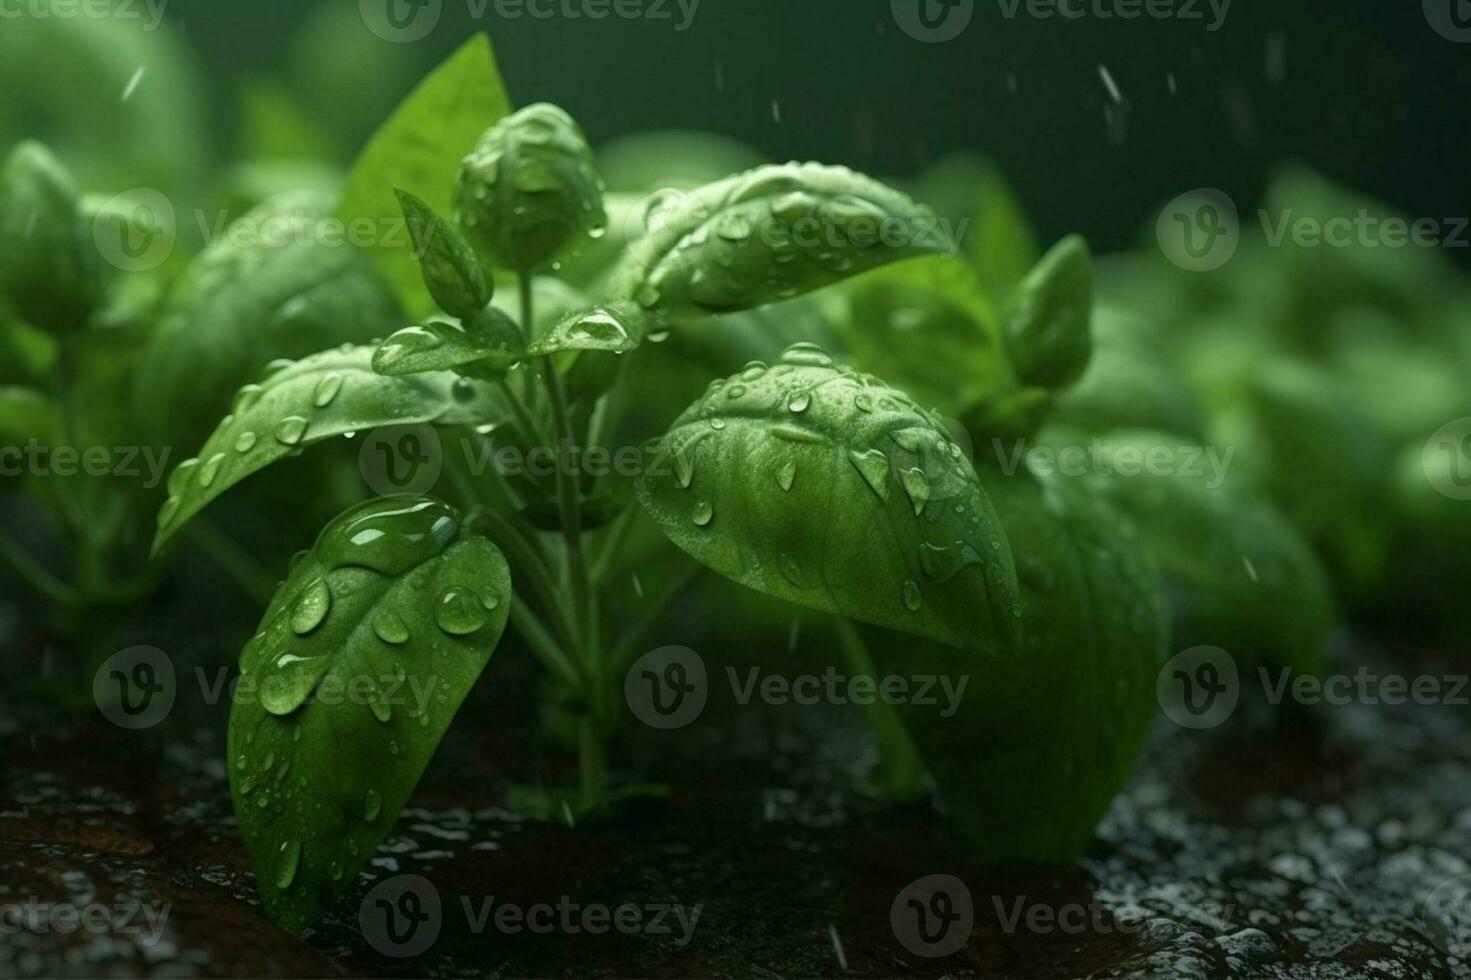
1257 850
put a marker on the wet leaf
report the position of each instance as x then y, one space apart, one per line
372 642
452 271
770 234
528 188
614 328
830 489
489 345
1042 742
330 394
270 288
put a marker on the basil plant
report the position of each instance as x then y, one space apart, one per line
811 477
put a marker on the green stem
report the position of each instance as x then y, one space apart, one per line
901 773
612 544
541 642
592 765
584 611
532 563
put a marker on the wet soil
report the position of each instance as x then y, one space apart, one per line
1328 843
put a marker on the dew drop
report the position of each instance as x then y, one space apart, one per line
787 474
874 468
290 860
799 403
459 612
684 469
211 469
245 442
704 513
390 628
312 608
372 805
289 431
916 486
327 390
912 599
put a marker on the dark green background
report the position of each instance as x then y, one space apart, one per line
1371 94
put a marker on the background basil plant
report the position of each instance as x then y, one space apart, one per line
544 315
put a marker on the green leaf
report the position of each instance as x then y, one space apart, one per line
452 271
528 187
928 326
614 328
418 149
361 661
1049 317
270 288
1042 742
1303 440
1128 383
771 234
829 489
330 394
1240 575
485 350
49 275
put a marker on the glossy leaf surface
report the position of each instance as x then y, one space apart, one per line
770 234
370 644
830 489
334 393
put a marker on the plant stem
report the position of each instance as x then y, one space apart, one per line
543 644
584 613
533 564
901 774
592 765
